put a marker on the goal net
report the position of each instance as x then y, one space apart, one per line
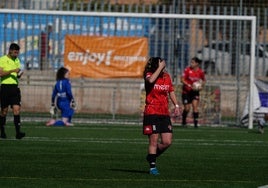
113 51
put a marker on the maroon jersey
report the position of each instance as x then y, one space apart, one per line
191 76
157 93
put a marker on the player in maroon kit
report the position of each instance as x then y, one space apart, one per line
190 95
156 122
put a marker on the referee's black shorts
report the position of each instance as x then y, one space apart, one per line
10 95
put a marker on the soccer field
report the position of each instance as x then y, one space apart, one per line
114 156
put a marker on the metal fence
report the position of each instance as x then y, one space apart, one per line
176 36
171 39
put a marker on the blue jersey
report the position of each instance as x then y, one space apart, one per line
62 93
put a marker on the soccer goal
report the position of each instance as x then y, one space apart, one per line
225 44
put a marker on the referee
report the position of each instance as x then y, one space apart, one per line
10 92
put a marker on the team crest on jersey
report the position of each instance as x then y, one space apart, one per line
147 129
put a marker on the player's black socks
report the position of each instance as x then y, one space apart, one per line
19 135
151 158
2 124
184 116
159 152
17 123
195 116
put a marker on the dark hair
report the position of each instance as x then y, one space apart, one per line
48 28
197 60
14 46
61 73
152 65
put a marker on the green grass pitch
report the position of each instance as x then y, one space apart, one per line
113 156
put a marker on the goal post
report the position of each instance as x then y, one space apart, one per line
167 17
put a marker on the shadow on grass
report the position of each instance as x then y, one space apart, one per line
131 171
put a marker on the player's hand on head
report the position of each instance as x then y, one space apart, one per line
162 63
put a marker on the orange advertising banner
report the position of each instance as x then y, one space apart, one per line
105 57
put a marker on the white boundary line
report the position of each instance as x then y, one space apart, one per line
127 179
193 142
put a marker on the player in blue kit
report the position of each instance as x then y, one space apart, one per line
62 99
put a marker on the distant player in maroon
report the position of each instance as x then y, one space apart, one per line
156 122
190 97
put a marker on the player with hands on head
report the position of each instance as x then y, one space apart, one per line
156 117
193 80
10 73
62 99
